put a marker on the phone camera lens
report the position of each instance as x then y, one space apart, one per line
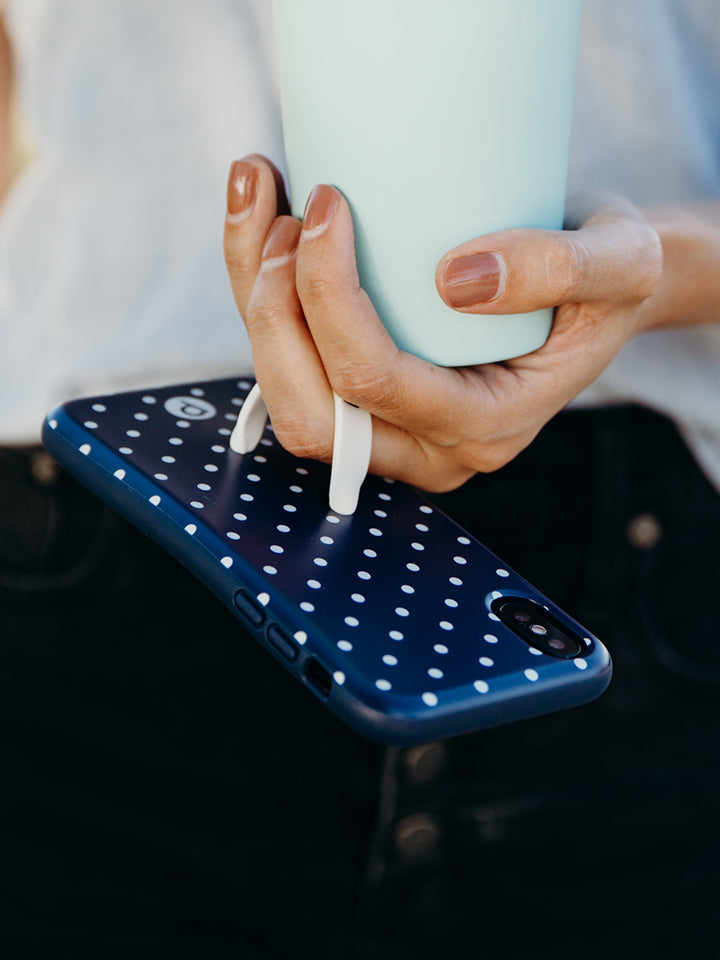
537 627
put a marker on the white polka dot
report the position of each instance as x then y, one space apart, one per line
227 562
224 432
502 573
327 540
289 508
264 442
126 451
140 416
231 535
175 441
494 617
369 553
460 560
244 384
456 581
239 516
205 487
417 546
486 662
495 595
211 467
252 477
463 540
231 416
339 677
183 424
396 635
390 660
320 562
160 476
301 637
307 607
435 673
384 496
449 602
345 646
247 497
197 504
155 500
490 638
168 459
85 449
217 448
352 621
358 598
378 513
441 648
263 598
364 575
295 489
534 651
90 424
99 407
532 675
406 588
446 625
402 612
149 400
282 528
580 663
276 548
425 509
430 698
197 392
383 685
481 686
271 571
422 527
191 529
412 567
120 474
375 532
132 433
314 584
258 458
53 424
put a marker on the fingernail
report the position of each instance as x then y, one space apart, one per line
241 190
473 279
281 243
319 210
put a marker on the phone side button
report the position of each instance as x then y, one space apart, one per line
249 609
281 641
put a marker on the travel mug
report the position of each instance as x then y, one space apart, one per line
439 120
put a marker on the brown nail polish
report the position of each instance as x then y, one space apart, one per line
473 279
319 209
241 189
282 240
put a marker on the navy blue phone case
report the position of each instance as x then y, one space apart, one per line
386 615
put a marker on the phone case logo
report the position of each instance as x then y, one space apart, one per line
190 408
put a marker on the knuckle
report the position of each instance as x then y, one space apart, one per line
366 385
566 264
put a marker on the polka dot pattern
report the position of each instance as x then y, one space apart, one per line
395 599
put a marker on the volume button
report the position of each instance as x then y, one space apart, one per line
281 641
249 609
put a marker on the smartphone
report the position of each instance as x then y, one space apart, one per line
407 627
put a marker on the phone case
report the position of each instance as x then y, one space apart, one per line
388 615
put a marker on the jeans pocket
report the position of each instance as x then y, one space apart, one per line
678 596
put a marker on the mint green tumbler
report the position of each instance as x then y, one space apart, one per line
439 120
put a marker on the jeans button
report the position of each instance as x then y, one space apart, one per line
417 837
644 531
424 762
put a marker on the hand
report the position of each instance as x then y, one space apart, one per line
314 330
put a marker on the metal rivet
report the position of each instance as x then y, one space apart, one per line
644 531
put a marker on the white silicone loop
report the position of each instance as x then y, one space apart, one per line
250 423
352 444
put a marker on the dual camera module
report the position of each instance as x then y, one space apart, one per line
537 627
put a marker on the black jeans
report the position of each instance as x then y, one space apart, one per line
167 790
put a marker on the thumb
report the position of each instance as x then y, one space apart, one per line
614 256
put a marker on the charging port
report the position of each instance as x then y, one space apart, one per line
317 676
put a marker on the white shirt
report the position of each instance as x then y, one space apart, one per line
111 272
